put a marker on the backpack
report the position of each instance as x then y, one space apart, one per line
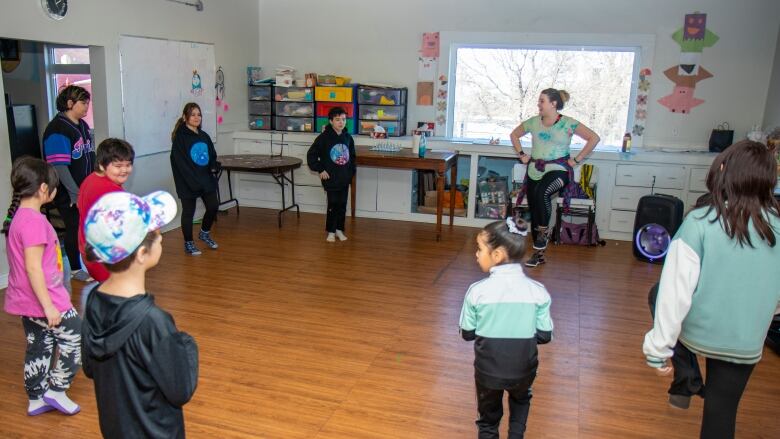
577 234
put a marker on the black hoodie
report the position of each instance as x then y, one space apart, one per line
334 153
193 158
144 369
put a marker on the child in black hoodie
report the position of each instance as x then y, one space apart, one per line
144 369
193 161
333 155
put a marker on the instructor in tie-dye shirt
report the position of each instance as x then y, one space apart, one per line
552 167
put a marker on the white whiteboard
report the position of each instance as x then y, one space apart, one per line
158 79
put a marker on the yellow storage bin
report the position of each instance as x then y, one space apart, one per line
333 94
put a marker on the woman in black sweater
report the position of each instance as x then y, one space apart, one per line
194 160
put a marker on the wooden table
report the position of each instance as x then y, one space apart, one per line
277 166
439 161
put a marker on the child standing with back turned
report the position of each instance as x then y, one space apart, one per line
507 315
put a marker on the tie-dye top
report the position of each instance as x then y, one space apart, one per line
549 143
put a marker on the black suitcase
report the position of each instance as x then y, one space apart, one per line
657 219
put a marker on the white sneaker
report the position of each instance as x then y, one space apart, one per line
331 237
340 235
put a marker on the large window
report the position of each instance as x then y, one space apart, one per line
68 66
498 87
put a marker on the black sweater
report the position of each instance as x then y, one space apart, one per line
144 369
334 153
193 158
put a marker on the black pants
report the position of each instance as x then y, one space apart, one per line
337 209
721 391
188 213
41 343
540 194
491 408
70 216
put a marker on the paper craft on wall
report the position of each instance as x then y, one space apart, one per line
441 106
694 35
689 63
640 117
425 93
430 45
426 68
197 87
681 100
673 73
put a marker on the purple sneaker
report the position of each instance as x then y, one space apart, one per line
40 407
51 398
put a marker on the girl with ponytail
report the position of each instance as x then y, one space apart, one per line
36 291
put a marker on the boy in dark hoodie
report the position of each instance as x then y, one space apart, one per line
332 155
144 369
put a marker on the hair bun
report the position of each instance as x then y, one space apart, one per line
520 223
564 95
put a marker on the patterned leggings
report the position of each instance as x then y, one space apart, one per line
38 377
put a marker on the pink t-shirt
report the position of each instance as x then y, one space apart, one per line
28 229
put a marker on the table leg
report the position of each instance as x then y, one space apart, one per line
439 201
353 191
230 189
281 184
453 176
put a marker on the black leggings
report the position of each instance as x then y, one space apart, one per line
722 390
70 217
540 194
337 210
188 213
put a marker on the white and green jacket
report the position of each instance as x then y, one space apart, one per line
717 297
506 314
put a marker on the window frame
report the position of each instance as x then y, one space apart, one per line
642 45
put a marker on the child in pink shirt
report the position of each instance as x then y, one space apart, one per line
36 291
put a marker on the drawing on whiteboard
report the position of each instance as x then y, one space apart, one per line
197 89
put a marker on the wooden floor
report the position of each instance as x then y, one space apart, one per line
300 338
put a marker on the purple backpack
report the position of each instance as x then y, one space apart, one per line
577 234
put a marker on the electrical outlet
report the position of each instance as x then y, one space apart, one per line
675 132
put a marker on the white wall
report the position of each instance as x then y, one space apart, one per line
231 25
378 42
772 113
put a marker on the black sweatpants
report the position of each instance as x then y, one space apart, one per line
491 408
721 391
337 209
540 194
188 213
70 216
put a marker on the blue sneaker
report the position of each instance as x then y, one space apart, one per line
190 249
206 237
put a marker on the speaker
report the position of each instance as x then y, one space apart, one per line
657 219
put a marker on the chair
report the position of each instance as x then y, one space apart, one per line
579 207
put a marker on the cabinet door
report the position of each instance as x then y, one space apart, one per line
394 193
698 181
627 198
622 221
365 197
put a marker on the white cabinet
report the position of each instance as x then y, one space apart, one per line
667 177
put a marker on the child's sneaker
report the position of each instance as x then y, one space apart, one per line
331 237
206 237
81 276
340 235
38 406
61 402
535 260
190 249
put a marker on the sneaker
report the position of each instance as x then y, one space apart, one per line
340 235
61 402
190 249
81 276
540 243
206 237
536 259
38 406
681 402
331 237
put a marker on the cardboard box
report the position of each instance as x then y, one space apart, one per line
284 81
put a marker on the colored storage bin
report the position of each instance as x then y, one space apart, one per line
260 93
260 123
334 94
294 94
322 108
393 129
382 112
260 107
300 124
381 96
323 121
294 109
